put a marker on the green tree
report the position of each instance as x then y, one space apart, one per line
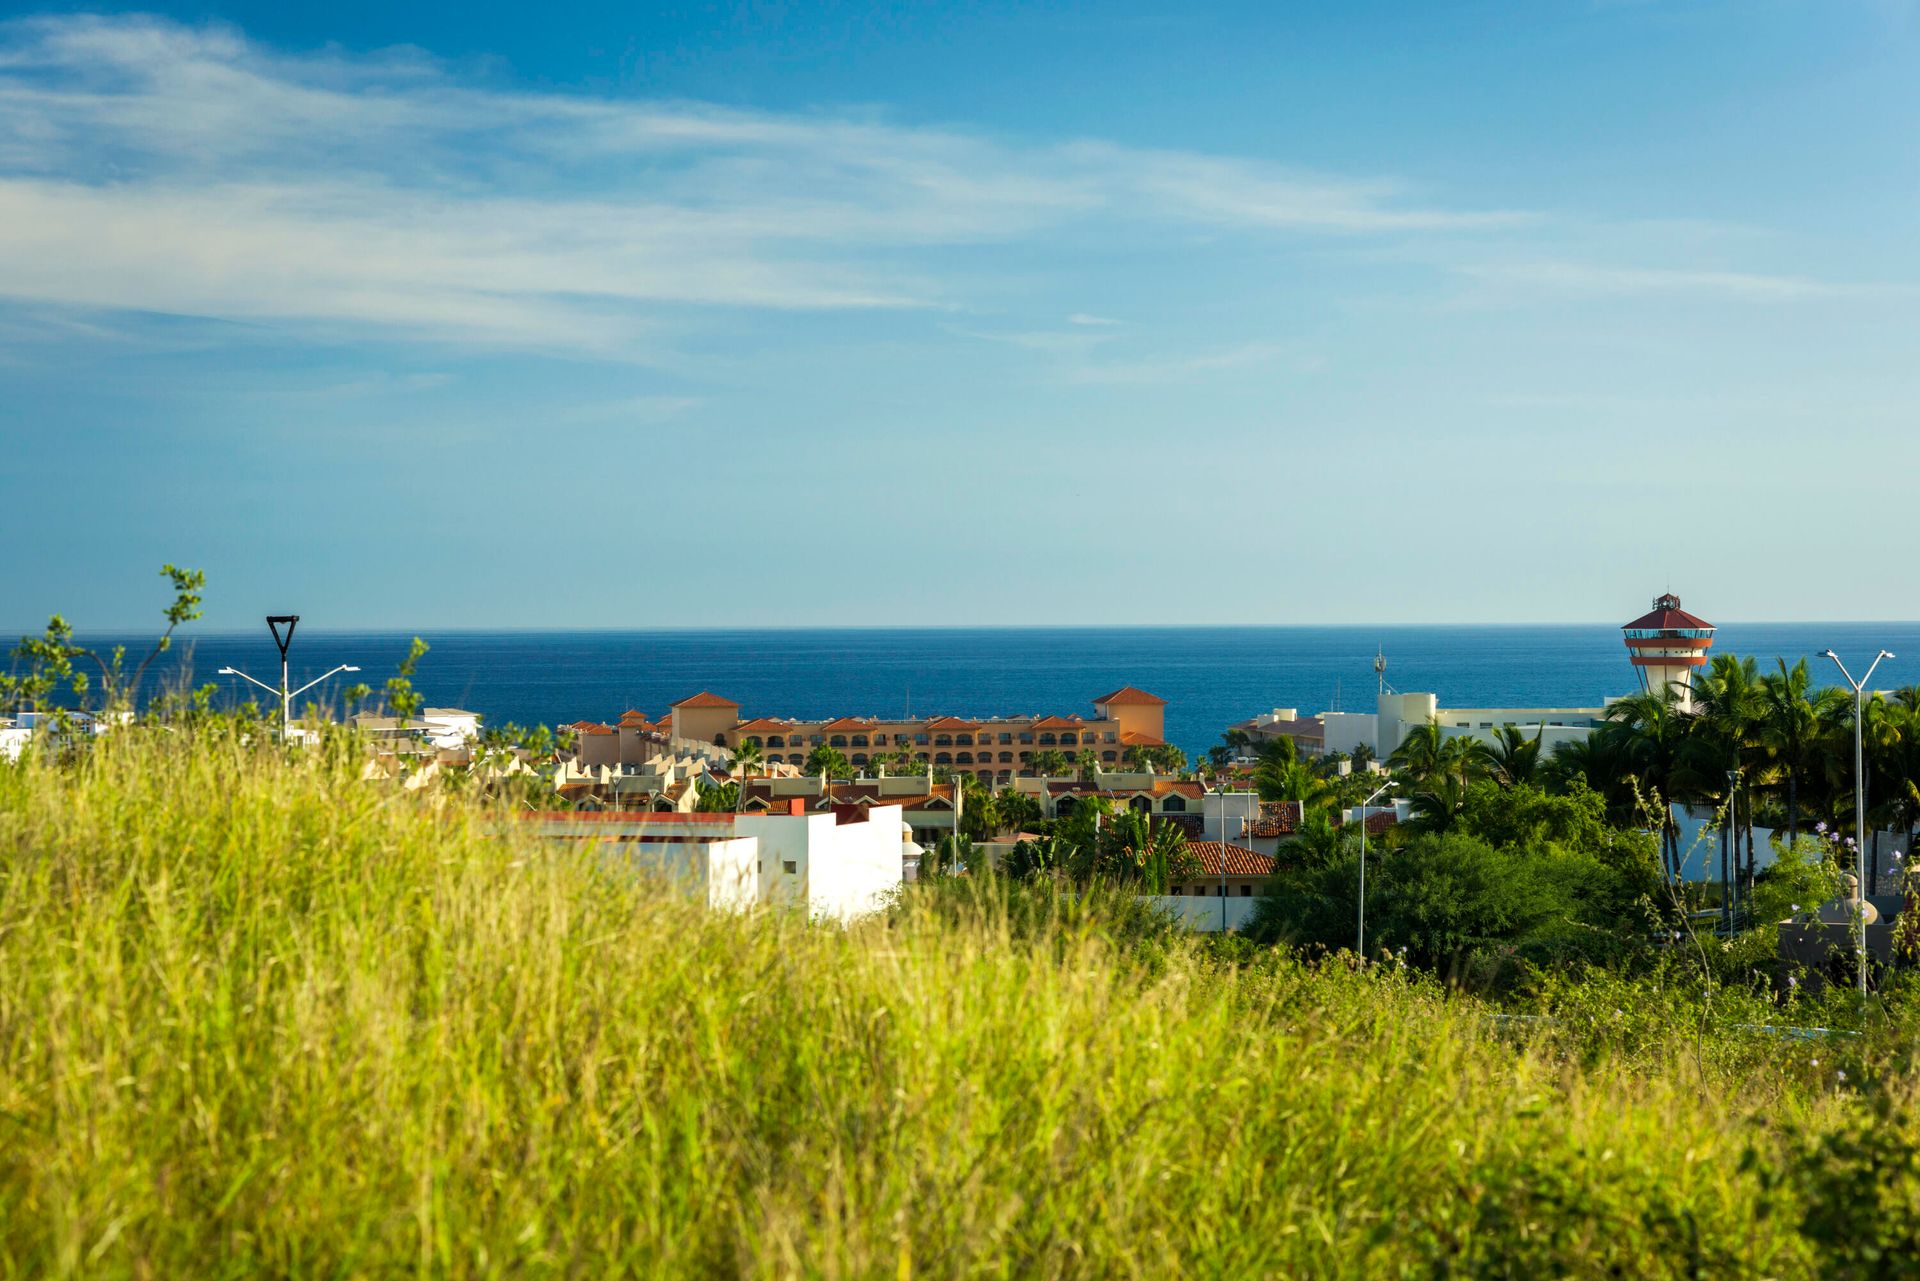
402 698
747 757
828 761
1050 763
1514 757
1019 811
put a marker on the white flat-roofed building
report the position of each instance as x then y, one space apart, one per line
839 864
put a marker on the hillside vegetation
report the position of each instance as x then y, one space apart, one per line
258 1017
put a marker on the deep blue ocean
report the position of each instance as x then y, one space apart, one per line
1211 676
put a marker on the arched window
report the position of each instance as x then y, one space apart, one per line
859 758
1068 739
1173 805
859 740
1142 804
943 740
774 740
1006 758
1063 807
964 740
943 758
719 740
838 740
963 758
1047 739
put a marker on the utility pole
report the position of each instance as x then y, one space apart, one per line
274 623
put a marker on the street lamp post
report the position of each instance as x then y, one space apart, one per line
1859 801
1362 944
274 623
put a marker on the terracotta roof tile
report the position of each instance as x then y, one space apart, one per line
1240 860
1127 696
705 699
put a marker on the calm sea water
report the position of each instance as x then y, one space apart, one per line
1211 676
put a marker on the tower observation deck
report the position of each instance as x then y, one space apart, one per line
1665 646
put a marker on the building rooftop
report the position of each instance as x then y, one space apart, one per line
706 699
1240 861
1128 695
1666 615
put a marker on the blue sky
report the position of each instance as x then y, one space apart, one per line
438 315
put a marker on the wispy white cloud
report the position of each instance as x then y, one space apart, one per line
146 165
1600 279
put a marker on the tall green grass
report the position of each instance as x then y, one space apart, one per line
260 1018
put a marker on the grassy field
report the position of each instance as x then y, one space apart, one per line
257 1018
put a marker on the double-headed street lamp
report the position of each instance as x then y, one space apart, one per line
1859 802
274 623
1362 945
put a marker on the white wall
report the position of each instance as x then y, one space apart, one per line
1344 731
1202 915
1224 812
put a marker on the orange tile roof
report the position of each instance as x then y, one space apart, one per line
1058 722
631 715
848 723
1134 738
951 722
1240 860
596 729
1277 818
760 725
705 699
1127 695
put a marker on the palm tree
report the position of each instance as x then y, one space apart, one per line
1514 756
746 758
1648 730
1137 849
828 761
1722 746
1420 754
1049 762
1788 729
1294 781
1086 763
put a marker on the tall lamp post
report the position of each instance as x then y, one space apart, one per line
1362 945
1859 802
274 623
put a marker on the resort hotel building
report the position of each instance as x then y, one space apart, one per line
995 750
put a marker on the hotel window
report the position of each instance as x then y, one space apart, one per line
776 741
790 866
1006 758
1046 740
1173 805
920 739
963 758
1026 737
1110 736
859 740
1068 740
838 740
943 740
1006 738
1246 891
963 740
1106 756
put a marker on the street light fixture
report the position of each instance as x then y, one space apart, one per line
274 623
1859 802
1362 944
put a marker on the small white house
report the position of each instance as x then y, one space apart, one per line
838 864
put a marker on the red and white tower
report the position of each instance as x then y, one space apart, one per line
1666 645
